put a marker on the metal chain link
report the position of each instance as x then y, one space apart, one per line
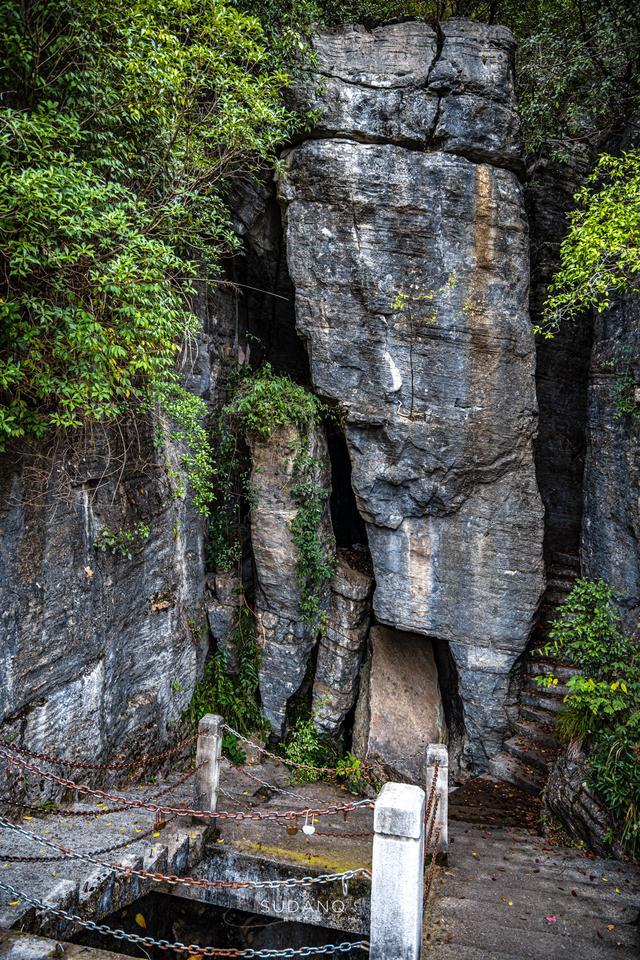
13 858
432 868
178 810
144 761
191 948
106 811
174 880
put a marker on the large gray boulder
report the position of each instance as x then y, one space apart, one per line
399 711
411 274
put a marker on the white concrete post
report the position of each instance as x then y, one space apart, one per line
208 753
437 753
397 873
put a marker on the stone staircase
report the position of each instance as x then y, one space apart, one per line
511 895
533 745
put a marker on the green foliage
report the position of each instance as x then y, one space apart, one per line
315 559
625 383
600 256
122 542
234 696
305 745
122 126
351 771
603 701
265 400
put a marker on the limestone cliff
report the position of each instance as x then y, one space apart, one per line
407 246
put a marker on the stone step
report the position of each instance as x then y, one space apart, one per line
549 884
544 667
558 690
538 715
539 733
530 754
525 849
511 929
506 767
539 701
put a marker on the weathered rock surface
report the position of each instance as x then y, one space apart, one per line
411 277
399 710
286 641
99 652
225 589
341 648
611 524
568 798
562 365
407 84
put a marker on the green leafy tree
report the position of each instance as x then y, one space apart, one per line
122 126
600 256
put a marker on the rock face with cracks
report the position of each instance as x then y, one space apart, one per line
407 246
286 640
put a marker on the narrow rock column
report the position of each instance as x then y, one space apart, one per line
397 886
340 650
285 640
208 753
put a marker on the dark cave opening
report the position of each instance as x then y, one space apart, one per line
451 699
348 526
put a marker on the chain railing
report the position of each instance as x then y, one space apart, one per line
191 949
180 811
173 879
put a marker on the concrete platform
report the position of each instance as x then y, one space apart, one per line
27 946
234 850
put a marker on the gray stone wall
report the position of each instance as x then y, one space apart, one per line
611 524
99 653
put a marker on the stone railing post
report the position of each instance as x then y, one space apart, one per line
438 757
208 753
397 885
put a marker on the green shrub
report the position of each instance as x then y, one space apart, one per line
602 707
305 745
234 696
600 256
122 542
122 125
264 400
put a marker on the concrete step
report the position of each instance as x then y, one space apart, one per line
539 733
506 767
523 933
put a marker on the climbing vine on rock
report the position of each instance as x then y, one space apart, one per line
316 563
263 401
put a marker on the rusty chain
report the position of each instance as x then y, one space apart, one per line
133 802
173 879
86 765
191 949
